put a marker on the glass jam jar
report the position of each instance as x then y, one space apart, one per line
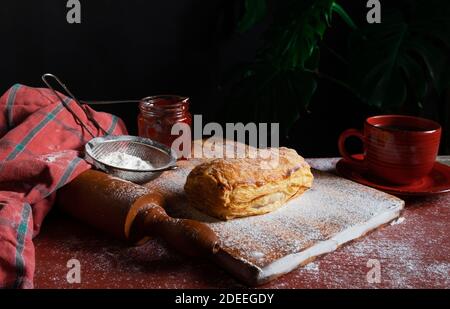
158 114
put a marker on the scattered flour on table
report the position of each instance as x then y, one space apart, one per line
312 267
398 221
124 160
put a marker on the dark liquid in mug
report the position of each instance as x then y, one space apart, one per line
402 128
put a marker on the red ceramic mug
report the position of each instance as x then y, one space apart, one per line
397 149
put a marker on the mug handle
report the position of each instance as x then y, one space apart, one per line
343 151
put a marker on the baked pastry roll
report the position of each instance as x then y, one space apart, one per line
231 188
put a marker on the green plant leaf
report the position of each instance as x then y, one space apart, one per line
344 15
297 28
255 10
270 95
416 78
283 80
395 61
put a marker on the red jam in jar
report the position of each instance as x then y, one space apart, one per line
158 114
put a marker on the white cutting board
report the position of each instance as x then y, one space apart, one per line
260 248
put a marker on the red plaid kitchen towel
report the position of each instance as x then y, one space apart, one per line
40 144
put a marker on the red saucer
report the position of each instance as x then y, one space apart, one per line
438 181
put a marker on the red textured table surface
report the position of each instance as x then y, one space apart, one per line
414 253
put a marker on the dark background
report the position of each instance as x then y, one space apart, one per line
135 48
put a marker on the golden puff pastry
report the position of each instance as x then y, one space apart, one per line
232 188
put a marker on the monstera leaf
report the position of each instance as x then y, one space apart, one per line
268 95
297 28
404 57
255 11
282 81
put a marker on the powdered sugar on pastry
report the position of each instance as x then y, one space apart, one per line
232 188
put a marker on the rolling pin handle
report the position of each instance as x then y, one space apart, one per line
188 236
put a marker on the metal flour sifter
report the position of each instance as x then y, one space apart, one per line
160 157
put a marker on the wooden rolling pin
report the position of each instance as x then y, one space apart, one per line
132 212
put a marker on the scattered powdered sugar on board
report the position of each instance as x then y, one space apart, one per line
124 160
331 207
